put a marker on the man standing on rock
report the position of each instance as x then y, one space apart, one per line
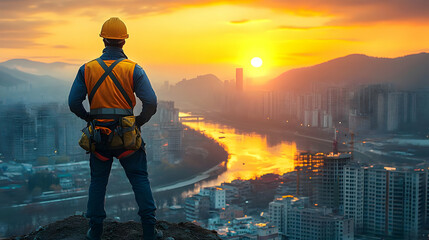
110 82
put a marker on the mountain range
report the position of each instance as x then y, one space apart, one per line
409 72
58 70
204 90
19 86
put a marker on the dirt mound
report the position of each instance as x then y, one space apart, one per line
75 227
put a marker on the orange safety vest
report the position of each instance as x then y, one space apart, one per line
110 86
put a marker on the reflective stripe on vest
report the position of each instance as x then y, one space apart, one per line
110 88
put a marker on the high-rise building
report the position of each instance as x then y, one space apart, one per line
279 209
320 177
20 135
381 107
276 213
68 132
156 144
239 79
46 130
329 181
337 103
164 133
306 167
353 189
386 201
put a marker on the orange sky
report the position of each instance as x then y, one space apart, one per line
184 38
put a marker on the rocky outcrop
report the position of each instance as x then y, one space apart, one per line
75 227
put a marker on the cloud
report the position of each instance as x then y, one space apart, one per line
20 8
61 46
4 43
19 33
240 21
285 27
346 12
21 22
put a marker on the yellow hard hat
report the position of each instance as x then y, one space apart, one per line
114 28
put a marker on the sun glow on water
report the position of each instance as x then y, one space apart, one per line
250 154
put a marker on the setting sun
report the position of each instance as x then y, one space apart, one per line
256 62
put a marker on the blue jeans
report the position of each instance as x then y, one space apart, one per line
135 166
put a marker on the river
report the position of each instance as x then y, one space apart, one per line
250 153
254 153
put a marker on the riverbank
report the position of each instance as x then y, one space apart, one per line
201 155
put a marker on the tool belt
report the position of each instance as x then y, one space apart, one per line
105 134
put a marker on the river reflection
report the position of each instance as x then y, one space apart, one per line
250 153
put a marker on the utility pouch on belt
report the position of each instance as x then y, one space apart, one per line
131 135
86 141
111 134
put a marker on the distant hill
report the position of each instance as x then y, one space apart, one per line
203 90
18 86
7 80
58 70
408 73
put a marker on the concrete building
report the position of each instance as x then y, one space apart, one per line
244 187
296 220
326 120
164 133
66 180
197 208
306 167
336 102
19 138
216 195
46 126
401 110
231 212
69 129
276 213
242 226
386 201
231 192
268 233
353 189
156 144
329 181
318 223
239 79
320 177
381 107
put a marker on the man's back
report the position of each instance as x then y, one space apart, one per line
110 82
134 79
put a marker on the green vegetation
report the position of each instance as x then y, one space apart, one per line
200 154
41 182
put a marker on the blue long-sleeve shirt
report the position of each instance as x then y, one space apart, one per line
142 89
